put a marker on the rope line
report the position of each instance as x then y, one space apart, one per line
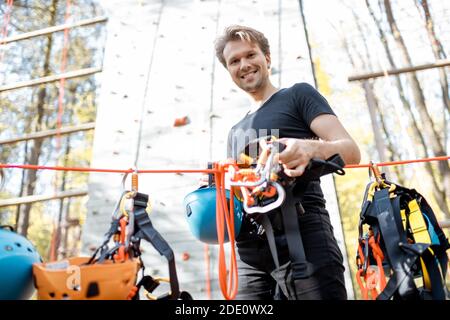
86 169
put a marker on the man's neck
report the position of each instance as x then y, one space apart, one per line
261 96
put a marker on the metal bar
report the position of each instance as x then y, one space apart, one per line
49 133
42 32
437 64
40 198
52 78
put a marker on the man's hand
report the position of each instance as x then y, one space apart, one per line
297 155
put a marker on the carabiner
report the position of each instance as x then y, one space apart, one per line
263 209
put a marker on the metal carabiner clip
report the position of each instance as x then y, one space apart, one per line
263 209
117 212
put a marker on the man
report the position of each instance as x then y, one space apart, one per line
308 127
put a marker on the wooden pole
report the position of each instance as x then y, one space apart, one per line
49 133
40 198
62 27
437 64
445 224
52 78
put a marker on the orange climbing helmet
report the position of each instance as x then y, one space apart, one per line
76 279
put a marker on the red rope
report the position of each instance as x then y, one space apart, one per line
228 278
394 163
84 169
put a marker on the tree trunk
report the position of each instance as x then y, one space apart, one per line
376 115
37 146
418 135
57 234
439 53
22 183
433 137
437 48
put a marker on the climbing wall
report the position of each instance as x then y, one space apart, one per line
159 66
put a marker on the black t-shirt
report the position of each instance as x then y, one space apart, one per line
288 114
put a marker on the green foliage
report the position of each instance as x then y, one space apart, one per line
27 60
350 190
40 230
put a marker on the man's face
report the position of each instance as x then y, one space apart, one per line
247 65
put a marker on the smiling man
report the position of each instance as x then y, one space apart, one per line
303 120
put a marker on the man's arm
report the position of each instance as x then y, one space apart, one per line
333 139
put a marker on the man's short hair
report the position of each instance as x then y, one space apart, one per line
242 33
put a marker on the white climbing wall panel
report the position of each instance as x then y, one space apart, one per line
159 65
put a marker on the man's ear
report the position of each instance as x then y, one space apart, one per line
268 60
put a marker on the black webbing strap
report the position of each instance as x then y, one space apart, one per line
439 258
148 283
439 251
437 284
264 220
301 268
316 168
144 229
402 282
267 225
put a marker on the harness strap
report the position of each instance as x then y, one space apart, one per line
436 282
401 260
422 220
145 230
301 268
267 225
444 245
417 223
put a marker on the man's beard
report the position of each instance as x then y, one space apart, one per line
253 87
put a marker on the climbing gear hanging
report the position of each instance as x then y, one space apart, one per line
112 272
258 180
275 189
17 255
262 186
399 238
228 279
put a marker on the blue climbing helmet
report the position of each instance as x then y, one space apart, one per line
200 208
17 256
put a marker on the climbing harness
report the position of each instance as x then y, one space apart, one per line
112 272
274 189
399 240
262 186
17 255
